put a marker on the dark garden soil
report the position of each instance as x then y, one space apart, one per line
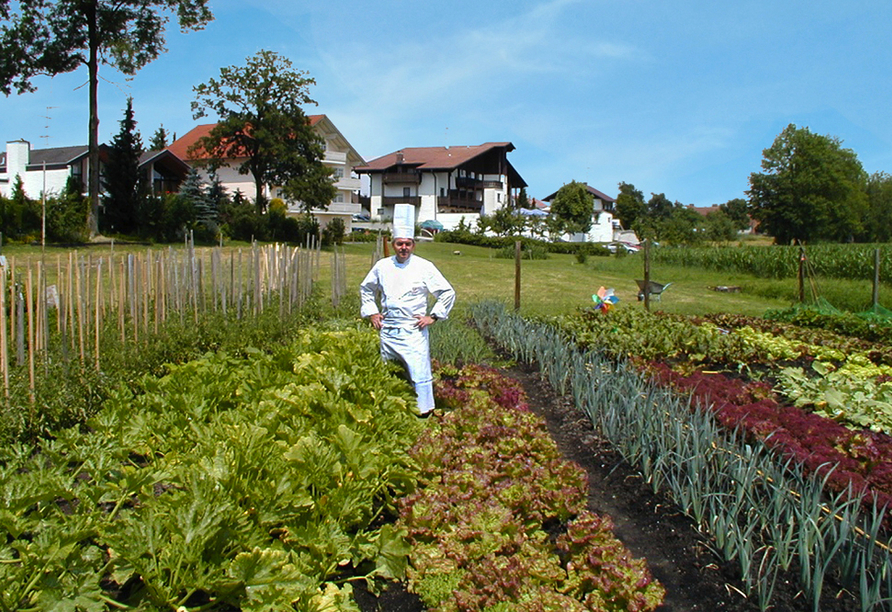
650 525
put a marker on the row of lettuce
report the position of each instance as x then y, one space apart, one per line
271 480
817 396
721 448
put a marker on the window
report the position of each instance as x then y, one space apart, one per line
407 191
338 173
339 197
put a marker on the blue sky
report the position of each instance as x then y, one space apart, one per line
675 97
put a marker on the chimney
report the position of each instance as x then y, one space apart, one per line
399 157
18 156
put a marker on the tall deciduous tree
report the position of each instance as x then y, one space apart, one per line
811 189
630 205
45 37
737 210
574 206
878 227
260 106
122 181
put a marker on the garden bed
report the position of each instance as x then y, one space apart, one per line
650 525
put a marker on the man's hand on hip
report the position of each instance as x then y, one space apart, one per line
423 321
377 320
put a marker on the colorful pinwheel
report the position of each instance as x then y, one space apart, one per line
604 299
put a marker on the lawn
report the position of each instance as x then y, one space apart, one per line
561 284
554 285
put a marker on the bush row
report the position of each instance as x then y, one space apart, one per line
504 242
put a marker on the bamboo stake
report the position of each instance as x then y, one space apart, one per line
112 278
38 309
146 291
199 294
20 323
240 278
159 295
100 295
88 296
176 284
232 293
258 304
71 295
131 299
98 311
60 326
214 272
292 280
4 352
14 305
164 287
280 281
223 291
80 311
30 303
121 301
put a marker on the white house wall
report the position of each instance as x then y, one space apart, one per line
428 191
231 180
35 182
602 228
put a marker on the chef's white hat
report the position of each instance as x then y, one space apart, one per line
403 221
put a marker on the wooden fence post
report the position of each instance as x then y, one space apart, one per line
517 255
646 274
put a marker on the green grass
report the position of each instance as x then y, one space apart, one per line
560 284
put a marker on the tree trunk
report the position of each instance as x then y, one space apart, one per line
93 65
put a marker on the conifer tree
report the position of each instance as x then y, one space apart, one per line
159 140
122 180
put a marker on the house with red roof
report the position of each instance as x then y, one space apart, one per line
445 184
340 156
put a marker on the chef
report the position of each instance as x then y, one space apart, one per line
403 285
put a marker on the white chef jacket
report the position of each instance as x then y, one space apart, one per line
403 289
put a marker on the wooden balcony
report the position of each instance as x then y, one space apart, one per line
452 204
407 176
466 182
391 200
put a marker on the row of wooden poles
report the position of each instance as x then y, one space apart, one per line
68 302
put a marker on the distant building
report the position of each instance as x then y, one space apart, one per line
48 170
704 210
42 170
605 227
340 156
445 184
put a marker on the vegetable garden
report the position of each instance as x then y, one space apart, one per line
269 462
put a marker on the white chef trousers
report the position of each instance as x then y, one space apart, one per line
411 346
